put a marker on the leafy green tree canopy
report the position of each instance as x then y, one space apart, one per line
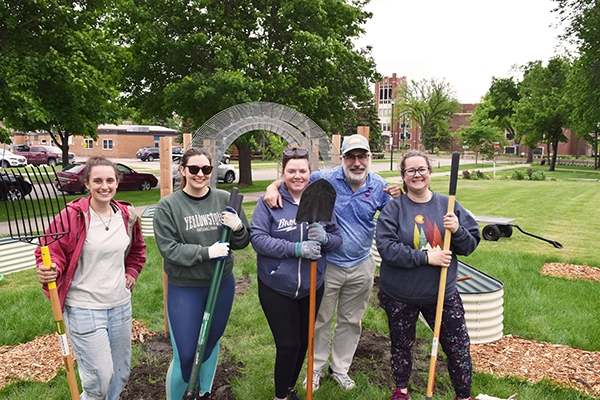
196 58
544 108
58 69
431 104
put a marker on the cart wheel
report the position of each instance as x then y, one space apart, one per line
491 232
505 230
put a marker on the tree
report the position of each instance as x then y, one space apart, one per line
583 18
365 114
502 97
197 58
58 69
544 109
483 128
430 104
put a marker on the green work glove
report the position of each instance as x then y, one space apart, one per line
309 249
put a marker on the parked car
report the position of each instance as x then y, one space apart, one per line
14 187
225 172
148 154
177 150
70 179
9 159
38 155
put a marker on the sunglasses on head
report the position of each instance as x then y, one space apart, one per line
194 169
295 153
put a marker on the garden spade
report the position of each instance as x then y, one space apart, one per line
316 205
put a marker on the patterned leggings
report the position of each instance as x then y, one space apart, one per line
454 338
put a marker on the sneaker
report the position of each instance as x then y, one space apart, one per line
342 379
317 375
456 398
205 396
292 395
398 395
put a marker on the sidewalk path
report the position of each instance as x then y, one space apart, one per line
248 197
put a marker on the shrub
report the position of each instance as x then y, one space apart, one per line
529 172
466 174
538 176
517 175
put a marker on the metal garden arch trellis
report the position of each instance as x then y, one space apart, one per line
222 129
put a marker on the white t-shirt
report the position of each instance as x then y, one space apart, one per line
99 281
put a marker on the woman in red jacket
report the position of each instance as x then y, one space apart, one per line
95 266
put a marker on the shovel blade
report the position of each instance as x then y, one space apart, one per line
316 203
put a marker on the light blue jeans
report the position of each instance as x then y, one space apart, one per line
101 341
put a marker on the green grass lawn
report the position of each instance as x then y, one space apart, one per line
564 207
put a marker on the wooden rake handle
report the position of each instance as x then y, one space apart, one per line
60 329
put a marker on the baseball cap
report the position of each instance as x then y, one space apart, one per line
353 142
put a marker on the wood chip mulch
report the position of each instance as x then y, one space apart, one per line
41 358
571 271
534 361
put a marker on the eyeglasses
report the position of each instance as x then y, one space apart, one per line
412 172
194 169
353 157
295 153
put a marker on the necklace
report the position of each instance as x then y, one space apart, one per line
106 225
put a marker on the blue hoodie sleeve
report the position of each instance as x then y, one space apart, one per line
260 234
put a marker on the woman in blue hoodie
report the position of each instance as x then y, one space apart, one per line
284 251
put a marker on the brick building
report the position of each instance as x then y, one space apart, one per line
385 92
114 141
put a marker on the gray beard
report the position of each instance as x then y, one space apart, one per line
353 178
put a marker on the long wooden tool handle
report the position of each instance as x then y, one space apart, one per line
443 275
312 306
60 329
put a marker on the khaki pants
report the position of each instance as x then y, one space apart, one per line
347 291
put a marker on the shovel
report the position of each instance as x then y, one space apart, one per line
443 275
316 205
192 391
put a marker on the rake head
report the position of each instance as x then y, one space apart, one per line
33 204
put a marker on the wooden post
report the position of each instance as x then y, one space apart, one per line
187 138
166 188
363 131
336 145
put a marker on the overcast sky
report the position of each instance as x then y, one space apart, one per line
464 42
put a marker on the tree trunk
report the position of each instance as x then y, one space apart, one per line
529 155
595 151
245 163
554 154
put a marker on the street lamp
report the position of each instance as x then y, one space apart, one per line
403 130
392 139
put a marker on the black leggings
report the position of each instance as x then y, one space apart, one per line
288 320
